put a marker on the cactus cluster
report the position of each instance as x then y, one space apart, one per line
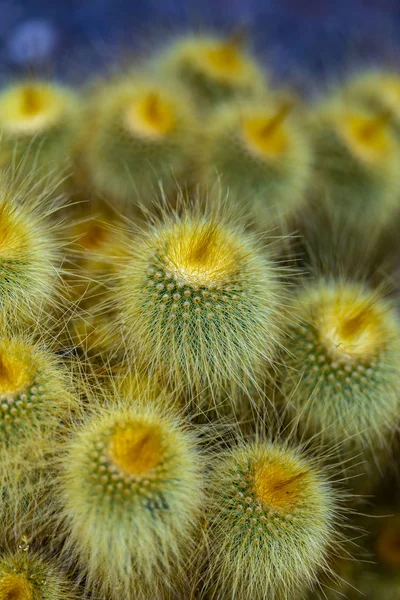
190 408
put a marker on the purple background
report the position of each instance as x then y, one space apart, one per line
296 38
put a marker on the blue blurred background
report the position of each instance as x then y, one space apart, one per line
297 38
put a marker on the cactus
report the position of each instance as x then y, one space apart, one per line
378 91
214 69
36 406
134 380
29 255
131 486
27 576
262 155
97 248
140 139
38 125
271 520
356 161
341 375
199 300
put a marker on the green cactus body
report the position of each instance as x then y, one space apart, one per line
132 485
213 69
26 576
261 154
38 125
342 365
142 138
270 523
356 161
199 299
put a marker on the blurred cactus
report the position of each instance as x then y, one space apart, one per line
214 69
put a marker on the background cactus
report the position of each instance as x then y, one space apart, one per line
140 139
38 124
261 153
214 69
356 154
341 370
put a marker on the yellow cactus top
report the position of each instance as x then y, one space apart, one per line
31 108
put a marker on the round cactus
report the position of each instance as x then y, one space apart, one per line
141 139
26 576
35 405
38 124
377 90
199 300
342 365
271 520
214 69
131 487
261 154
29 256
356 161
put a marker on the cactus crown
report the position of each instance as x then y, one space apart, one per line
265 134
275 480
350 325
16 586
221 60
273 506
15 372
277 486
136 447
150 116
368 136
30 108
200 254
131 452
